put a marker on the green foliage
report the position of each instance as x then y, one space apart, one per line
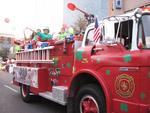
80 24
4 52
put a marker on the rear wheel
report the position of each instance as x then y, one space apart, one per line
90 99
25 93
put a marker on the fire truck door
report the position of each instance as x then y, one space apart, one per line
144 94
143 42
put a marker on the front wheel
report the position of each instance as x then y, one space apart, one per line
25 93
90 99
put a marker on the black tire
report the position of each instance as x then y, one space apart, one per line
90 99
70 105
25 93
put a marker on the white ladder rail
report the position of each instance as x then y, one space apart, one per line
35 61
43 54
35 54
22 56
47 54
39 54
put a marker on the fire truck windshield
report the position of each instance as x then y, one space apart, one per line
144 30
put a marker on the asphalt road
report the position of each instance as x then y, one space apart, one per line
11 102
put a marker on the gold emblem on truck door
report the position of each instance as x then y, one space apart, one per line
125 85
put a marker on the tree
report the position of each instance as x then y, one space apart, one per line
80 24
4 52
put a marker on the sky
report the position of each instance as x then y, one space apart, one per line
30 13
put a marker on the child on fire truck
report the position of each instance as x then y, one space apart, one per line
41 39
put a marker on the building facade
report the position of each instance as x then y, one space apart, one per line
97 7
117 7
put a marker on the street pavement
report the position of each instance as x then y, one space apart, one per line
11 102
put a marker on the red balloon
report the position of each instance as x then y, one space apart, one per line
6 20
71 6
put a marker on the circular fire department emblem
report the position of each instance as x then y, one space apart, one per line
124 85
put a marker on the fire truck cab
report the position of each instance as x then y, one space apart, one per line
111 75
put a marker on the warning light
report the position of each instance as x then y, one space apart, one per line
146 9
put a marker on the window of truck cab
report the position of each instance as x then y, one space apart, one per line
144 31
124 35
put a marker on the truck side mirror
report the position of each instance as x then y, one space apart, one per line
138 13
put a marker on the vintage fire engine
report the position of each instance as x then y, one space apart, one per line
110 76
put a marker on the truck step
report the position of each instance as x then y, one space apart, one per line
58 95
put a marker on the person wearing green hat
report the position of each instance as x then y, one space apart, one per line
45 35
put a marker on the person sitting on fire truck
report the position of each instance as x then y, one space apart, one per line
66 32
43 36
41 39
62 34
35 36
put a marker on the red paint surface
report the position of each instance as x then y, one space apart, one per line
105 65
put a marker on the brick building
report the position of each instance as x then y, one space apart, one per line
121 6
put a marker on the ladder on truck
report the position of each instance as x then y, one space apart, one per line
39 55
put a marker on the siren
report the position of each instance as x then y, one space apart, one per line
146 9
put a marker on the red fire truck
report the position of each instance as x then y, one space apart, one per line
111 75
